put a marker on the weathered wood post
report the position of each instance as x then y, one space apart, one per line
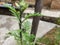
38 7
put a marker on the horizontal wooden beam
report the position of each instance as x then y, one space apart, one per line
49 19
5 11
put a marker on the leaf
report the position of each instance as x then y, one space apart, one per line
26 25
23 5
15 33
28 37
31 15
31 38
13 11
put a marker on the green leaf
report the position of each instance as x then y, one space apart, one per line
15 33
31 15
13 11
23 5
27 25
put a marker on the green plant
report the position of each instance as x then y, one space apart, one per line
58 21
22 35
52 38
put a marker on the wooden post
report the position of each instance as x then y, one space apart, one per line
38 7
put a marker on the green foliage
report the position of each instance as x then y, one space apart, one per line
27 38
57 35
58 21
23 5
44 40
26 25
13 11
15 33
30 15
48 41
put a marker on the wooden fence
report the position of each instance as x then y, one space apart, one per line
28 1
31 2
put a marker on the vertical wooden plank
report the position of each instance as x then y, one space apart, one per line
38 7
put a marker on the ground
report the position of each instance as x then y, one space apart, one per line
8 23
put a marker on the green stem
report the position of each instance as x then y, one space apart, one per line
20 24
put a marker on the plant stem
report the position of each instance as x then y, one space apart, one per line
20 29
20 24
